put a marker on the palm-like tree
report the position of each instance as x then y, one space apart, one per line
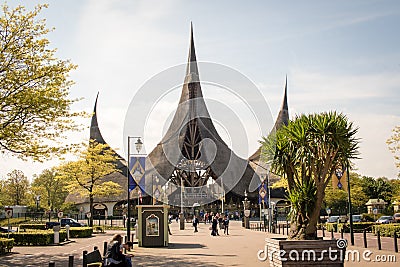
307 152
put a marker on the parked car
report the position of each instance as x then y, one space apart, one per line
396 217
6 230
385 219
71 222
49 225
332 219
342 219
357 218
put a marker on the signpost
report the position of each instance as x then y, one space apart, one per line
375 211
9 214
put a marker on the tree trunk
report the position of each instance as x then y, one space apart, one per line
305 227
91 210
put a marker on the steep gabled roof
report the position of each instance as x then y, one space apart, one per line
117 177
193 117
281 120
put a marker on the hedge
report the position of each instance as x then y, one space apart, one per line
80 232
331 226
387 229
34 226
35 237
357 227
6 244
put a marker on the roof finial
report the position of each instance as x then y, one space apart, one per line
192 62
285 104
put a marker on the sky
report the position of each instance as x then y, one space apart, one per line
337 55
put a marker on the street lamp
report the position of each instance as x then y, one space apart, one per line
37 200
350 212
246 212
138 145
155 192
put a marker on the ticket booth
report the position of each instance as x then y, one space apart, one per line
152 225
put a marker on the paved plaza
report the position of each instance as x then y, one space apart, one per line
187 248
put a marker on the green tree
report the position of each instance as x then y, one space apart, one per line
395 183
394 146
53 191
85 176
337 199
34 88
377 188
358 196
16 189
307 152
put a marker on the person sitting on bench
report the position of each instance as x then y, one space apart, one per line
114 255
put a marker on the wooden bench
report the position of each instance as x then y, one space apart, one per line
92 259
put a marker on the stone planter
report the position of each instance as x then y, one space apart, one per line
282 252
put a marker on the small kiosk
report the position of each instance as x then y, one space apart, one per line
152 225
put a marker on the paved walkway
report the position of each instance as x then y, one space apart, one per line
239 248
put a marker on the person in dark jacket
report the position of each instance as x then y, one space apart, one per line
214 226
226 225
195 223
114 255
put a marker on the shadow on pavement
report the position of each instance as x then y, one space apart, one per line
17 260
184 246
163 261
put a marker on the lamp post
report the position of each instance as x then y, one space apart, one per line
181 216
350 212
37 200
138 145
81 211
246 212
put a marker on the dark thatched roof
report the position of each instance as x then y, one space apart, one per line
235 172
117 177
282 119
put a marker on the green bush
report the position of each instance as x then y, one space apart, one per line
80 232
13 221
387 229
371 217
6 245
34 226
35 237
357 227
331 226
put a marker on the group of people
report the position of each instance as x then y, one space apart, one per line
223 223
216 222
114 254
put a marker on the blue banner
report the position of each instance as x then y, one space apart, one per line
262 193
136 169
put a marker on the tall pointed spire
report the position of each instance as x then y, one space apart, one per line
192 71
192 140
282 119
283 116
95 133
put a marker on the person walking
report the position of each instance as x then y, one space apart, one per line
195 223
226 225
214 226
